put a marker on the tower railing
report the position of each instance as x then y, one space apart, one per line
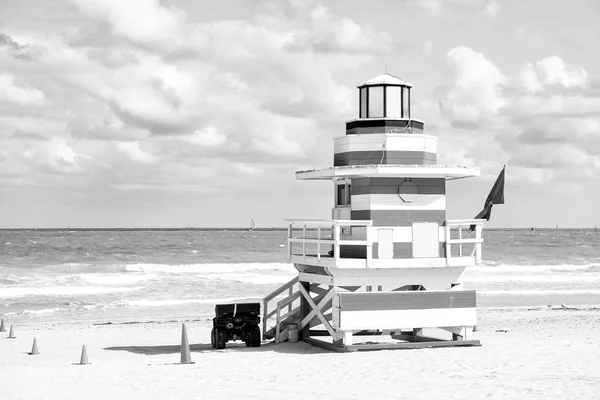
319 242
318 233
457 226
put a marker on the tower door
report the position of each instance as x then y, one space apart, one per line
385 248
426 240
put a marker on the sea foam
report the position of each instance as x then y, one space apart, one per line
62 290
208 268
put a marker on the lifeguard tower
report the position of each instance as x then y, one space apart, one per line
388 262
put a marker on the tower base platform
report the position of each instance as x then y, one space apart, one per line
392 341
346 319
434 343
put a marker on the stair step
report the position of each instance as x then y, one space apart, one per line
270 333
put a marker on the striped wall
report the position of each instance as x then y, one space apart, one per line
399 201
424 186
414 309
391 142
382 125
401 250
384 157
418 300
385 149
399 217
396 203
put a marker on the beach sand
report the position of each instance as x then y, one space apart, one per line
526 353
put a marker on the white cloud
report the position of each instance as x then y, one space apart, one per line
135 153
21 95
428 47
146 22
551 71
432 6
476 91
493 8
209 137
544 118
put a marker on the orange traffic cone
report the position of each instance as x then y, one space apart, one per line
186 358
84 357
2 327
11 334
34 349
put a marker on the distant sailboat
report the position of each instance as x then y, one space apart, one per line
251 225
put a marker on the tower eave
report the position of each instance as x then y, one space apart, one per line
448 172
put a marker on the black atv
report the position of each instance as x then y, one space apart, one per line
236 322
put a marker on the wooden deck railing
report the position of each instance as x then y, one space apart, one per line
316 233
456 226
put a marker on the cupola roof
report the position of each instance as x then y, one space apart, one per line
385 79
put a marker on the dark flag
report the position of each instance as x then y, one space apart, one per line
496 196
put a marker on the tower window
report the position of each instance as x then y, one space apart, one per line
343 194
375 101
363 102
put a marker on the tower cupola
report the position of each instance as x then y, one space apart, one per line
385 96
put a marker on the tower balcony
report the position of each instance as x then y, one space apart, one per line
321 243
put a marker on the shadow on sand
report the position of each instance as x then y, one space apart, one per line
291 348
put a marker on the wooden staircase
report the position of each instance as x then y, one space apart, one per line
277 316
295 304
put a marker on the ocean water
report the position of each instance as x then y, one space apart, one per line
66 275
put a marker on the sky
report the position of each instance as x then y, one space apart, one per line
188 113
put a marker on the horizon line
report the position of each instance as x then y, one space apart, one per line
276 228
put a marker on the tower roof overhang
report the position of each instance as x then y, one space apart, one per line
385 79
448 172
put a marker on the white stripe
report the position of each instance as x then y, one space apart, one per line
393 142
407 319
393 202
402 234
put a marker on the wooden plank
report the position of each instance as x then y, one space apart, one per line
393 142
288 300
406 319
416 338
311 241
317 322
323 302
409 300
431 278
413 345
316 310
314 288
313 260
328 346
394 202
281 289
304 310
464 241
399 217
347 338
390 346
356 263
380 156
314 278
